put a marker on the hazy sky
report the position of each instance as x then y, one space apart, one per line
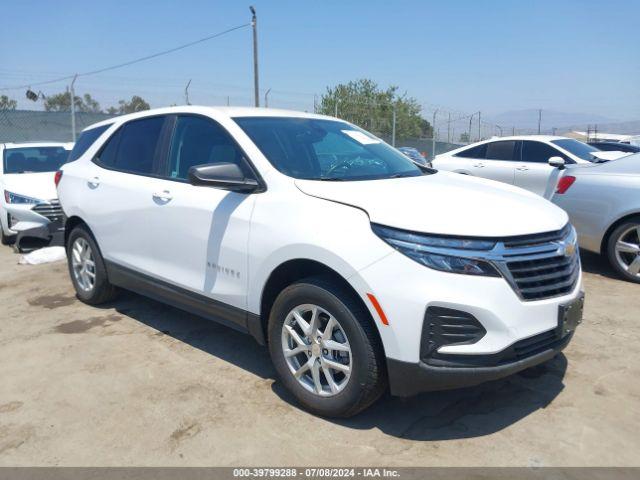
494 56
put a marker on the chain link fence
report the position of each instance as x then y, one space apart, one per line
32 125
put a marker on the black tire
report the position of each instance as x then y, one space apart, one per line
633 222
102 290
6 239
368 378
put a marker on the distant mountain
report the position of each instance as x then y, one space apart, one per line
621 128
528 119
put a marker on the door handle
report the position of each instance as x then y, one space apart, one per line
164 196
94 182
479 165
522 168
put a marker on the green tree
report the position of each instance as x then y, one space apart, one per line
365 104
7 103
61 102
464 137
137 104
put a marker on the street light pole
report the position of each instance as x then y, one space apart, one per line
73 108
256 86
433 135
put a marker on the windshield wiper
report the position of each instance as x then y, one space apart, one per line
331 179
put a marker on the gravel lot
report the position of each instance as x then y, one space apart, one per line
138 383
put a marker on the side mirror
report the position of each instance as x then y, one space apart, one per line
557 162
227 176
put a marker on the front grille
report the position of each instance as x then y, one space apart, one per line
542 266
51 210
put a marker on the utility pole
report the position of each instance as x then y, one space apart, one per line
73 108
469 134
433 135
449 129
266 98
256 85
186 92
479 133
539 119
499 128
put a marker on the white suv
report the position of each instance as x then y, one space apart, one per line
312 235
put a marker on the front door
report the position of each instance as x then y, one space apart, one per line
205 230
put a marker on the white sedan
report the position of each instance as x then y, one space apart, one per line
29 199
533 162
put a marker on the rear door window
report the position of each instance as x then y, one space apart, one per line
503 150
135 147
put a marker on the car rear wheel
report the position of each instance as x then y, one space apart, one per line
623 249
86 268
325 349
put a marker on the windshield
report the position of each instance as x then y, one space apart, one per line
579 149
329 150
34 159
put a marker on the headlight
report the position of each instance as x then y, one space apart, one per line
447 254
19 199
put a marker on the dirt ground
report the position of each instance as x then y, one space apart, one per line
138 383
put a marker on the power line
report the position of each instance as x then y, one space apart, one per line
131 62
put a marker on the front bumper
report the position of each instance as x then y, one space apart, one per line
407 379
51 234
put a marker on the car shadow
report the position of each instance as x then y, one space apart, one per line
210 337
453 414
597 264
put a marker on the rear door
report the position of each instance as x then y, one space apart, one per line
533 171
123 190
499 161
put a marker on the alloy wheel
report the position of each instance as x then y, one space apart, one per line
628 250
316 350
84 265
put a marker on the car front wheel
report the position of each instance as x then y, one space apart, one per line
325 349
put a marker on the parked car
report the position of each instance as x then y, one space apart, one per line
604 205
29 204
311 235
615 147
415 155
528 161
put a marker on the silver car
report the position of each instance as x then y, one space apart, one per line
603 202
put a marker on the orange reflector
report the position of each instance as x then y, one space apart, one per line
376 305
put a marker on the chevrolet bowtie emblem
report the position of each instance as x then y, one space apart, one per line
566 249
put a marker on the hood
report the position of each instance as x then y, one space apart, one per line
610 155
35 185
445 203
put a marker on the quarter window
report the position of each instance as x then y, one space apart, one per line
85 141
199 141
538 152
504 150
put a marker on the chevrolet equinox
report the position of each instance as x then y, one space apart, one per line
359 269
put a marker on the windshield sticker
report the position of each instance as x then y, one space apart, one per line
360 137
